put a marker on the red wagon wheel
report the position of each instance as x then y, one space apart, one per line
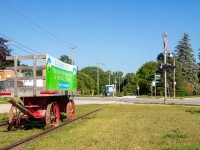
14 118
71 110
52 115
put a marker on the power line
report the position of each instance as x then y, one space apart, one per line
58 39
31 22
29 28
42 29
27 48
19 43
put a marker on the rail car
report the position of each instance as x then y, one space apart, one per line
44 93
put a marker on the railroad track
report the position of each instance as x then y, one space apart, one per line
19 144
4 124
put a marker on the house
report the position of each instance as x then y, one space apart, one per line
6 74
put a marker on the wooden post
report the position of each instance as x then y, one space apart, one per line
34 75
44 72
16 77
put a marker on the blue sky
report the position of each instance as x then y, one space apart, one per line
121 34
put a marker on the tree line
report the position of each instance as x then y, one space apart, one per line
187 74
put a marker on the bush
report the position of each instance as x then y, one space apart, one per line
182 92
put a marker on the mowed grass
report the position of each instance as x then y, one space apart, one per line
128 127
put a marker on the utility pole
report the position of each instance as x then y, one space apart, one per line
119 84
155 83
165 57
115 84
72 48
97 77
174 78
109 77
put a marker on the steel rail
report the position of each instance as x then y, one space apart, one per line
18 144
3 124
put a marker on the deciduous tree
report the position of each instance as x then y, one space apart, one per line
4 51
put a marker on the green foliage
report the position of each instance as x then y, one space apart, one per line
182 91
189 68
3 117
144 73
65 59
85 83
129 86
5 64
103 77
187 74
4 50
181 88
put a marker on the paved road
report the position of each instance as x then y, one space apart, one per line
132 100
119 100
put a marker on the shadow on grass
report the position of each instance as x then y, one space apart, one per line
175 133
193 111
183 147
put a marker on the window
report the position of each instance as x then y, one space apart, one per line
8 75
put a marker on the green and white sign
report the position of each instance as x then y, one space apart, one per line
59 75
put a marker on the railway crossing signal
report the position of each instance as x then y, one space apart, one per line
160 56
164 67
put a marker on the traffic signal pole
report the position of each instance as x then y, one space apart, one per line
165 60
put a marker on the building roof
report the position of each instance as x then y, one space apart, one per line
5 70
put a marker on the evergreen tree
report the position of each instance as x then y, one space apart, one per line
180 85
189 68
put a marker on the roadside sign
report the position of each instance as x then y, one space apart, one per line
59 75
157 77
153 83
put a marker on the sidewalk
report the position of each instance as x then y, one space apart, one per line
4 108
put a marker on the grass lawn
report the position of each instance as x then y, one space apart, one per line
3 117
128 127
3 101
